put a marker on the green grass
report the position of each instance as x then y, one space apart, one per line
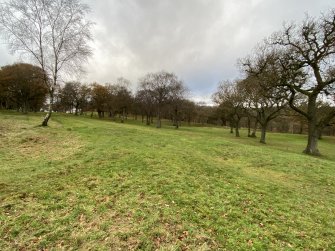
85 184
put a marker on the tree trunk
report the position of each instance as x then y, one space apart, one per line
253 134
313 130
263 133
123 115
231 124
237 131
159 123
25 107
249 127
176 122
313 137
148 119
224 121
48 115
76 110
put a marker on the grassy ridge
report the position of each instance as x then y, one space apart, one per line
84 183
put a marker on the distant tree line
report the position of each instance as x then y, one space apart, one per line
239 104
160 95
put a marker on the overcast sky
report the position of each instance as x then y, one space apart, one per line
199 40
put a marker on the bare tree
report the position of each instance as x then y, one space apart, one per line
145 101
264 103
231 99
124 97
53 33
266 98
310 47
176 99
160 86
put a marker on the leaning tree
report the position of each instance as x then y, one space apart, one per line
53 33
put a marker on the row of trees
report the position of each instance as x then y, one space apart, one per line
249 102
293 68
160 95
21 88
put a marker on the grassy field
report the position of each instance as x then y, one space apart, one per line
88 184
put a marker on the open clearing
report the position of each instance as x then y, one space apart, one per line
86 184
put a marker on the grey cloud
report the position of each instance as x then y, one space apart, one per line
199 40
